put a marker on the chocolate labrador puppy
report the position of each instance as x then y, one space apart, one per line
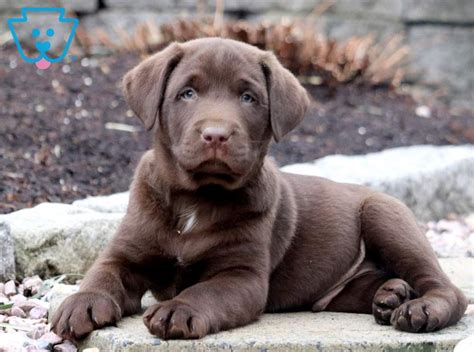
220 235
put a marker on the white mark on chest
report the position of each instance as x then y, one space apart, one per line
190 222
188 219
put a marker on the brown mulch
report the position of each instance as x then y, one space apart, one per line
54 144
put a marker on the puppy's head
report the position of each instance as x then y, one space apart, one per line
214 105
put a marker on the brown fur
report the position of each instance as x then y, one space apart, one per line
220 235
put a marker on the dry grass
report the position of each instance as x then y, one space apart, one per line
298 44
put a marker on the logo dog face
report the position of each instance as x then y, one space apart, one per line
43 37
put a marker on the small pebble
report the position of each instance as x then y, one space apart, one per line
27 306
52 338
66 346
18 299
43 344
32 285
38 331
423 111
32 303
17 312
10 288
38 313
23 322
3 299
32 348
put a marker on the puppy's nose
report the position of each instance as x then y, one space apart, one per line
216 136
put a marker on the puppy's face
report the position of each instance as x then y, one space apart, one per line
213 105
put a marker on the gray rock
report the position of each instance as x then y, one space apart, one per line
341 28
432 181
51 238
7 257
432 53
113 21
70 5
460 11
369 9
347 8
140 4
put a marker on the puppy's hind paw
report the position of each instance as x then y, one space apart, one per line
421 315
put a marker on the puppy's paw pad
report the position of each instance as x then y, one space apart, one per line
174 320
388 297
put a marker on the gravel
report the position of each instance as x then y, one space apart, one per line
24 317
453 237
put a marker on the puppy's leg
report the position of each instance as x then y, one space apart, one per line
358 295
232 292
391 233
108 292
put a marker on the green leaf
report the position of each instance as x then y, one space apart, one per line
6 306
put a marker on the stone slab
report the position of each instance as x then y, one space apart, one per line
52 239
290 331
7 258
433 181
287 332
461 273
114 203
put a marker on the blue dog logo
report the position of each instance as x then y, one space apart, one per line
42 37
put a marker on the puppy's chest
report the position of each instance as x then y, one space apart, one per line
190 235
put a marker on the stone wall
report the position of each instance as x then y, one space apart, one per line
440 32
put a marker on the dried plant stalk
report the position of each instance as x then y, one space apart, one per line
298 44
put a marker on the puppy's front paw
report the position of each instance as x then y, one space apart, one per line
83 312
175 320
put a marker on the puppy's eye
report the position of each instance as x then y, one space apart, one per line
247 98
188 94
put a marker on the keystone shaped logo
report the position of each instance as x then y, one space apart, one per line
42 41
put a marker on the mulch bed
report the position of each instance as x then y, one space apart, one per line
54 144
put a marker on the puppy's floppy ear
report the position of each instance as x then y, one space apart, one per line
144 86
288 100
